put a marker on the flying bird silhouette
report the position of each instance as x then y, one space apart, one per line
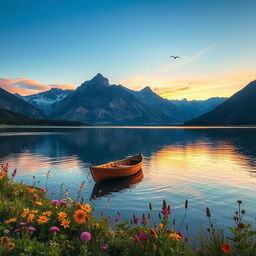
175 57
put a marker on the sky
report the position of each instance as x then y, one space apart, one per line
47 43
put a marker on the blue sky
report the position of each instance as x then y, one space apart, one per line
63 43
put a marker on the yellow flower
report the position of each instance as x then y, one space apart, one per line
10 220
70 199
25 212
47 213
39 203
87 208
65 223
35 211
42 219
30 217
61 216
175 236
80 216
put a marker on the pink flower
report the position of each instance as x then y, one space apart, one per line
55 202
63 202
35 196
144 236
17 230
32 229
54 229
180 234
135 220
23 224
136 239
117 219
14 173
86 236
144 219
104 247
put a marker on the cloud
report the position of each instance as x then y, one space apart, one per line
186 59
25 86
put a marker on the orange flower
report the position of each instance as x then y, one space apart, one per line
87 208
65 223
25 212
97 225
11 246
61 216
35 211
153 232
80 216
30 217
47 213
31 190
175 236
161 226
42 219
39 203
2 174
10 220
226 248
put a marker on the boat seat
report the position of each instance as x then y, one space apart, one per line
122 166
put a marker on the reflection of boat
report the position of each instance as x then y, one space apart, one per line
117 169
106 187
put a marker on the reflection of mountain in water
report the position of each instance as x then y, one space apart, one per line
107 187
96 146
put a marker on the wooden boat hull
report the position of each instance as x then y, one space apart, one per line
118 169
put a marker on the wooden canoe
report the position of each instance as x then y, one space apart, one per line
118 169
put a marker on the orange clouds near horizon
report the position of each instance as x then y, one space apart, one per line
25 86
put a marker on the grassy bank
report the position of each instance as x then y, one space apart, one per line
33 225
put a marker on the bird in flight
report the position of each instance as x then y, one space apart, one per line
175 57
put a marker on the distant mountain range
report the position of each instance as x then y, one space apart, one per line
96 102
239 109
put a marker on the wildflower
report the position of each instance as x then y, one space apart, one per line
55 202
39 203
241 225
97 225
22 224
166 210
10 220
137 239
117 219
65 223
226 248
161 226
104 247
63 202
144 219
135 219
208 213
31 190
47 213
86 236
2 174
32 229
25 212
61 216
5 240
81 187
36 197
180 234
87 208
80 216
11 246
239 201
70 199
17 230
243 212
175 236
35 211
42 219
153 232
54 229
14 173
144 236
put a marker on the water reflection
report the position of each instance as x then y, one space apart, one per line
107 187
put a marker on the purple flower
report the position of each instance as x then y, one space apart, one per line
86 236
55 202
32 229
135 220
180 234
144 219
54 229
104 247
23 224
14 173
117 219
136 239
143 235
63 202
17 230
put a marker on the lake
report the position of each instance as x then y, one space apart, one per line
211 167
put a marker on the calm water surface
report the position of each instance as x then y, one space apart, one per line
210 167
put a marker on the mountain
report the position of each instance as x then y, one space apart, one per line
195 108
47 101
13 103
9 117
239 109
99 103
160 105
